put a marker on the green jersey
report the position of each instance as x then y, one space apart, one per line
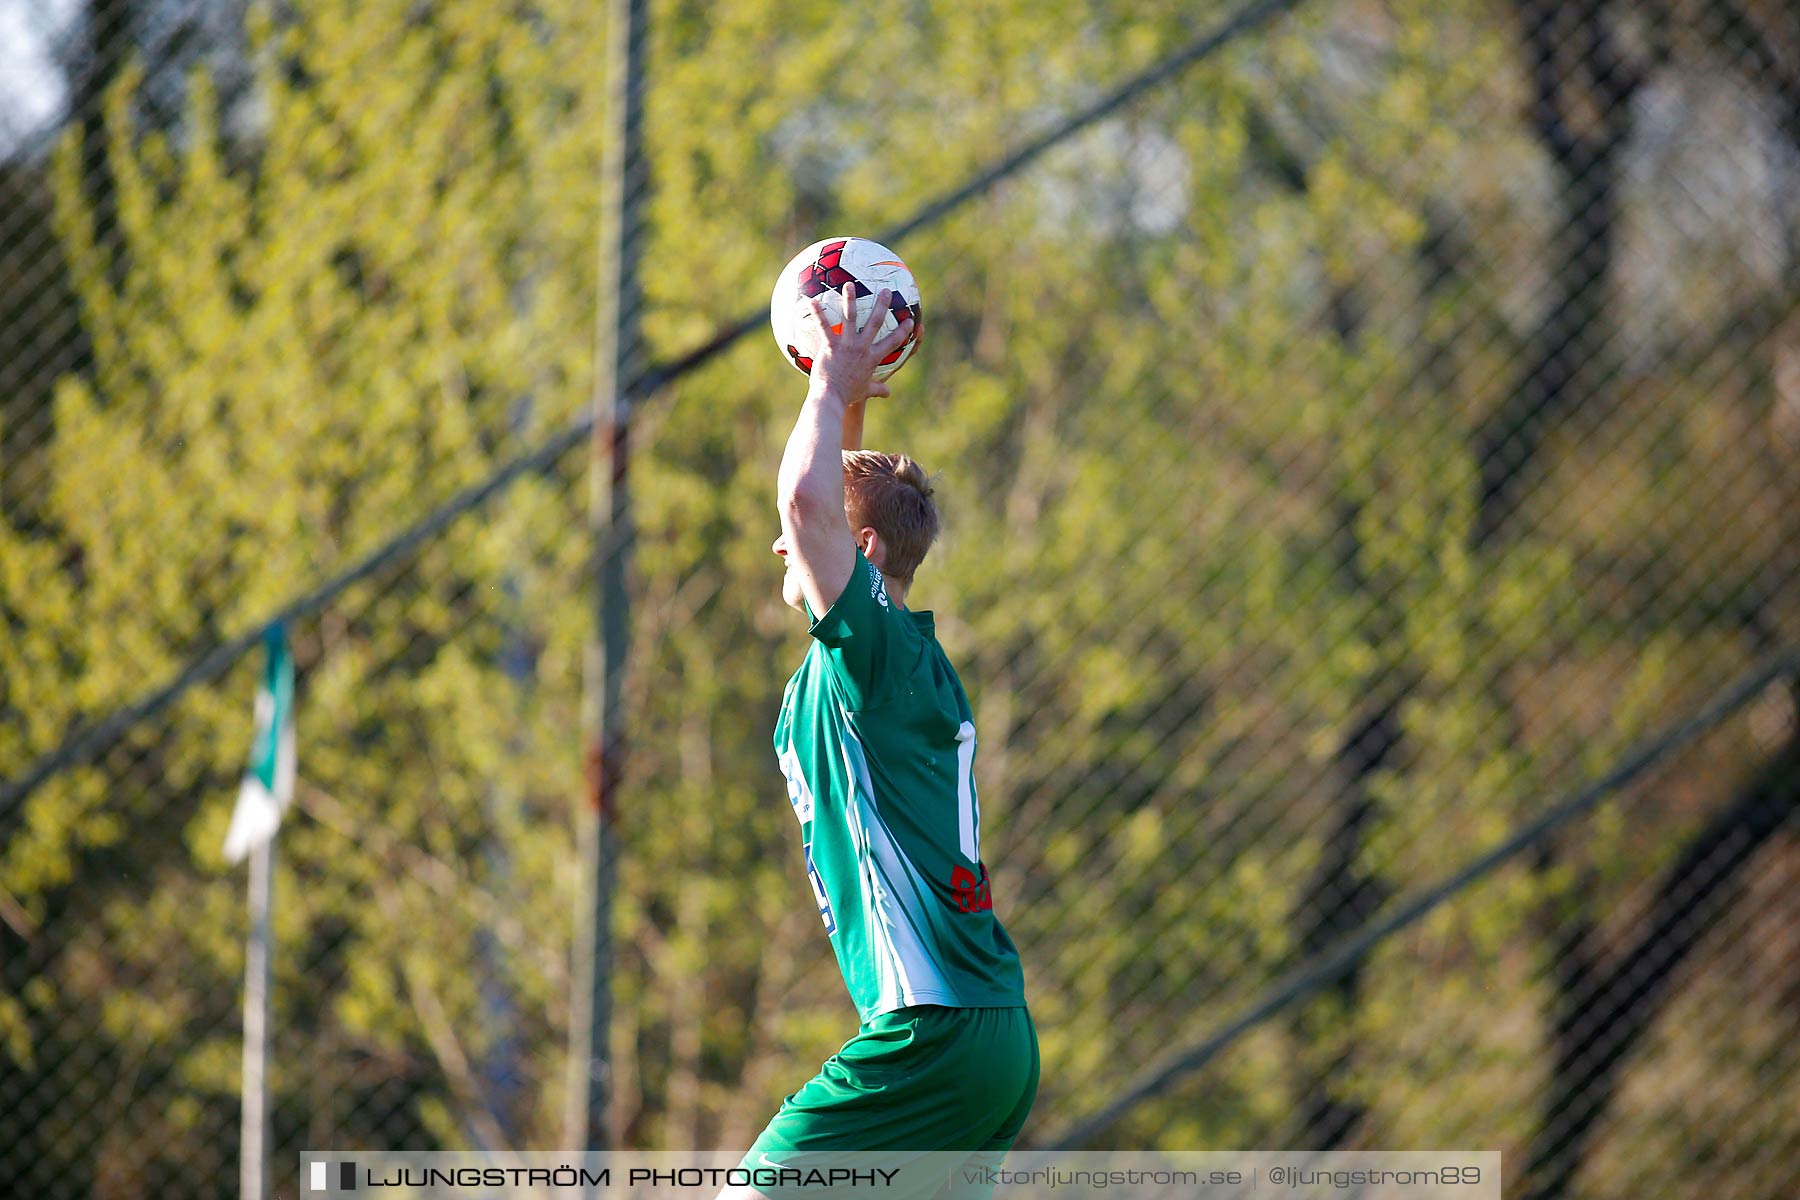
877 743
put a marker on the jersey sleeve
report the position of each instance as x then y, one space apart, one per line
869 644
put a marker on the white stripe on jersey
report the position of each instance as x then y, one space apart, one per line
968 813
888 876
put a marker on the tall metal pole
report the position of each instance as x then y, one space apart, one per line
618 357
253 1132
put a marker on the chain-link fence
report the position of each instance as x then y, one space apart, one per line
1353 444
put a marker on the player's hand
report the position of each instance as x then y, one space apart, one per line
846 357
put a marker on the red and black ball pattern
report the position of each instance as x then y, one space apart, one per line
827 274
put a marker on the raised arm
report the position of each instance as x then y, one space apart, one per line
853 424
810 487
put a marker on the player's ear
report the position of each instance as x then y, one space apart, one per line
869 542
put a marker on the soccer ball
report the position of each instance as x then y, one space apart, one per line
822 270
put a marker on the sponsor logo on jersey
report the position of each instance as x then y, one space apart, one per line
877 589
971 894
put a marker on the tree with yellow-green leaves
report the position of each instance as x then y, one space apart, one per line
305 335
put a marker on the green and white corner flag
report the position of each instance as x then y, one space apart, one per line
269 780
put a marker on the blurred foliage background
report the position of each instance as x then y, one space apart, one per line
1347 450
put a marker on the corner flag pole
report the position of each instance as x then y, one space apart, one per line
618 353
262 798
253 1154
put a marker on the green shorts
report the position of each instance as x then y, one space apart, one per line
917 1079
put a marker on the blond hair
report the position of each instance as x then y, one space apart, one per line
891 494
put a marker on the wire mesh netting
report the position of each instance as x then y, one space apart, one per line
1348 448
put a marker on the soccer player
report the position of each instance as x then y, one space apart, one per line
876 740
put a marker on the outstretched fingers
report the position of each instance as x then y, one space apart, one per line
893 341
866 334
858 348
